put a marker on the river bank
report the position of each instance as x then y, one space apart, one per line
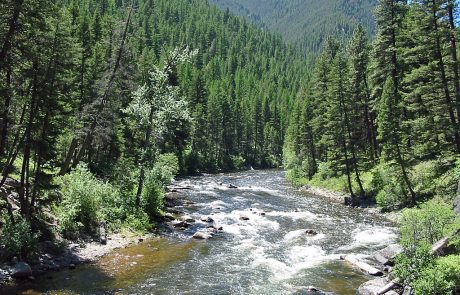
342 198
72 256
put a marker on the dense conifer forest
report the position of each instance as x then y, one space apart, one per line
306 23
104 102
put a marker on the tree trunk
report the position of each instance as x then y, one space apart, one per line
445 84
6 113
453 50
145 148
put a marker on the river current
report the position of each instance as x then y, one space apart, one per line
262 249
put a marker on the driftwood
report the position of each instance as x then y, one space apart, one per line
364 266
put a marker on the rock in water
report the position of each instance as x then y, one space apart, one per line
386 256
311 232
199 235
244 218
180 224
187 218
21 270
372 287
206 219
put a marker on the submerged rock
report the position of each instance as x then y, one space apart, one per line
232 186
244 218
311 291
21 270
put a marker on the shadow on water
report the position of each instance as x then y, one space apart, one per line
112 273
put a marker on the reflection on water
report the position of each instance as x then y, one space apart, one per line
266 252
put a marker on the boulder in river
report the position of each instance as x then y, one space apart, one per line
387 255
199 235
311 291
372 287
187 218
168 216
244 218
311 232
206 219
21 270
180 224
232 186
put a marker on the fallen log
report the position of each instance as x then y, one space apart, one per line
441 247
364 266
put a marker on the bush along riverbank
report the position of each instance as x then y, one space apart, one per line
89 218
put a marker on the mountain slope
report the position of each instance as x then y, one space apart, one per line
305 22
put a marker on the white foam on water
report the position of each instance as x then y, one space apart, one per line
294 215
375 235
296 234
239 199
298 258
208 192
257 189
371 236
304 257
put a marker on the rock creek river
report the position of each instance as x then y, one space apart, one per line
267 254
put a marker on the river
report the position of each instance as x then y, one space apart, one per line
267 254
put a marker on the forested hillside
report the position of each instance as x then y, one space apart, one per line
390 106
108 100
306 23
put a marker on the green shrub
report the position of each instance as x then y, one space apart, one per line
152 196
387 184
165 168
325 171
138 222
440 277
82 198
420 228
238 162
19 238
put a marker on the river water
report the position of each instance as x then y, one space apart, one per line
267 254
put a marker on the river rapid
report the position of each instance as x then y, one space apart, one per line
267 254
